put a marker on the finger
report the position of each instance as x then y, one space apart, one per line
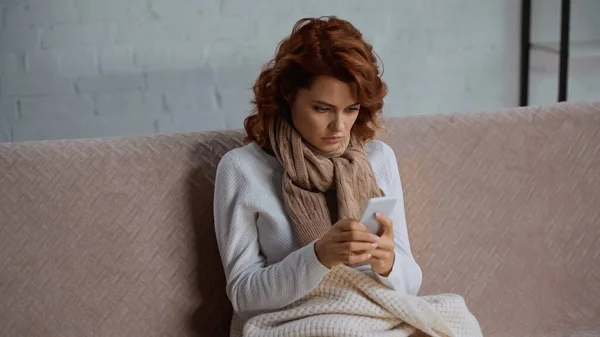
352 225
359 236
377 264
386 223
386 243
353 246
381 254
353 259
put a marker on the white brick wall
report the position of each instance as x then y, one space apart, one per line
97 84
113 10
19 39
80 126
116 60
11 64
77 35
59 106
41 62
130 103
8 116
91 68
36 85
40 12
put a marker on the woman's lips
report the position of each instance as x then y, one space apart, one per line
332 140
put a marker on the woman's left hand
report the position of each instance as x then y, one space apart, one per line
383 256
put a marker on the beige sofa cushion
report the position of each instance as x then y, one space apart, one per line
114 237
504 208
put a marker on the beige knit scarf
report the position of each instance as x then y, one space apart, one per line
310 173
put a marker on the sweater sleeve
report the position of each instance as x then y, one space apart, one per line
253 287
406 275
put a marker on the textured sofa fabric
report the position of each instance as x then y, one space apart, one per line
114 237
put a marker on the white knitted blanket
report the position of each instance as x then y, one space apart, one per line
351 303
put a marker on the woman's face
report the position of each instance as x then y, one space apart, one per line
325 113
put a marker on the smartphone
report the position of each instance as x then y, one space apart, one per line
383 205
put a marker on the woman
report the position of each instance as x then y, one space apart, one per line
286 203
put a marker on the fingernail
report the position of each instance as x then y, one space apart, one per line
376 238
374 245
378 214
368 256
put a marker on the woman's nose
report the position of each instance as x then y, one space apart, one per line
337 124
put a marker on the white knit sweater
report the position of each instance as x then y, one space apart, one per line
264 267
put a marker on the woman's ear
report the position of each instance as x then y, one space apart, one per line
288 97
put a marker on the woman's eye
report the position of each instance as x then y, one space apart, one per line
352 109
321 109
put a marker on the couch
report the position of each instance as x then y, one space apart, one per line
114 236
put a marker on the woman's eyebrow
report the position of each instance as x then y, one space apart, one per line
332 105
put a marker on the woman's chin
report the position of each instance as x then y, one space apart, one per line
324 145
328 147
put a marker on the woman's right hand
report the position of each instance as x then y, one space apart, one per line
346 242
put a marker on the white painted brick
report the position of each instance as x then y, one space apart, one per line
377 32
435 40
236 78
193 33
152 58
173 58
178 80
184 90
235 109
256 8
8 116
8 111
315 7
82 127
117 60
225 53
234 121
129 103
184 10
584 88
187 58
256 52
192 121
11 64
19 39
42 62
111 10
41 12
77 62
34 85
544 88
275 27
190 100
5 134
153 33
111 83
229 29
236 82
71 35
481 97
61 106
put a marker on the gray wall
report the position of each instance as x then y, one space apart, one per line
95 68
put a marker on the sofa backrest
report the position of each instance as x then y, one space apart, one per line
504 208
114 237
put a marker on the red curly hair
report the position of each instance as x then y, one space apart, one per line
325 46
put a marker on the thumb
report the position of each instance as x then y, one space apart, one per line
386 223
